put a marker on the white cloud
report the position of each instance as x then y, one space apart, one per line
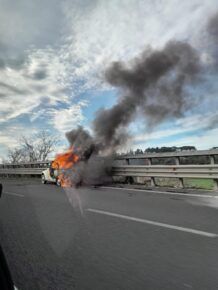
8 141
66 119
205 140
199 130
116 30
22 93
61 49
10 136
182 125
94 34
30 23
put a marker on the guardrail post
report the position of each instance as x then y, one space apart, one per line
153 183
212 159
215 186
149 161
127 161
181 182
177 160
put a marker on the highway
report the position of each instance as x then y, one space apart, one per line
108 238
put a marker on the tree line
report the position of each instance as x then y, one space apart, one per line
163 149
38 147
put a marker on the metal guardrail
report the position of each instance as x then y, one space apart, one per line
36 164
21 171
187 153
208 171
169 171
27 168
181 171
176 156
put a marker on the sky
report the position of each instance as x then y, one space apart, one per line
54 53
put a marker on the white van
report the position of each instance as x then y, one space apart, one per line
50 175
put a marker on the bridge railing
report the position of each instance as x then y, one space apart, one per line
148 169
175 170
176 156
169 171
25 168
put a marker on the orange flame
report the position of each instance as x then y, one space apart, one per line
63 163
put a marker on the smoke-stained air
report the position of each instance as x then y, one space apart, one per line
153 85
212 31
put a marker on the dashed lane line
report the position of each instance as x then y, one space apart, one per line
161 192
154 223
13 194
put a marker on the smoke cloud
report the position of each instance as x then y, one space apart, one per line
212 30
212 26
152 85
82 142
91 169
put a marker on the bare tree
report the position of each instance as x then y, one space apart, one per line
15 155
35 148
28 149
46 144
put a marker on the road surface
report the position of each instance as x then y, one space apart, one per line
107 238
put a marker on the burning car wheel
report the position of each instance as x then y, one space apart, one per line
58 182
43 179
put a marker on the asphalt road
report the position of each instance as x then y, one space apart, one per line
107 238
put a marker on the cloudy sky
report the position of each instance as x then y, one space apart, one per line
53 55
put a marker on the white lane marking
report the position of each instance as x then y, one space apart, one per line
13 193
162 192
154 223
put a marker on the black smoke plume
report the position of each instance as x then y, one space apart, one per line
152 85
212 30
212 26
91 168
82 142
155 86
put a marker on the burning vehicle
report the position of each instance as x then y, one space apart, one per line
60 169
49 176
80 164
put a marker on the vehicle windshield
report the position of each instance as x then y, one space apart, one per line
108 144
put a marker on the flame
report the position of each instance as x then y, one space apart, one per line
63 163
